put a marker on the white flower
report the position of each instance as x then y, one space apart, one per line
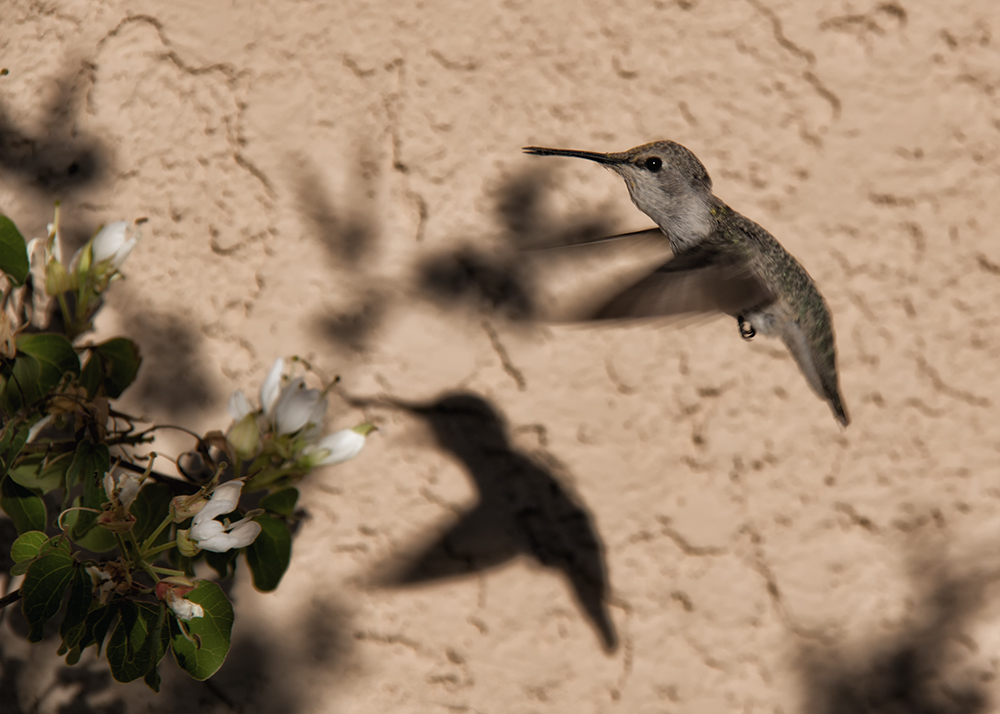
53 231
297 407
110 244
219 537
125 491
183 608
238 405
335 448
271 386
37 427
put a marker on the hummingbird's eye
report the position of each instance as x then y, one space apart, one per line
653 163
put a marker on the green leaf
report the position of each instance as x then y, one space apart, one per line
24 507
95 628
90 462
13 251
81 597
22 387
281 502
27 546
91 376
43 588
25 549
17 442
212 632
134 647
55 356
269 554
40 472
150 508
120 360
95 538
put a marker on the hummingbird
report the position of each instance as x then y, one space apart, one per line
722 262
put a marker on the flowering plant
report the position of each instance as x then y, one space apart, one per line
125 542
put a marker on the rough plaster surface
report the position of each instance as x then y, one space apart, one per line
638 519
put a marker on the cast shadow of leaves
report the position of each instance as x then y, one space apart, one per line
82 682
914 672
260 674
350 238
502 280
53 158
523 509
172 375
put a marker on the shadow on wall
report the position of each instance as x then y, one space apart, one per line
53 158
172 376
496 281
501 281
350 238
926 669
523 509
263 675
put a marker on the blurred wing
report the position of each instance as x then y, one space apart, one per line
699 281
645 234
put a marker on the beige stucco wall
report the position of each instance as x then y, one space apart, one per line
317 175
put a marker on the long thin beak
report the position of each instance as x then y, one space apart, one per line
609 159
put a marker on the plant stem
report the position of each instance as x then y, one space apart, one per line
144 549
168 571
160 548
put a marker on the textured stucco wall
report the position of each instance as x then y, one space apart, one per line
344 181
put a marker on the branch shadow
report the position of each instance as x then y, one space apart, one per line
55 158
917 671
523 509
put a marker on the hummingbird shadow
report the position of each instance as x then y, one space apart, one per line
501 280
350 237
924 669
54 158
523 509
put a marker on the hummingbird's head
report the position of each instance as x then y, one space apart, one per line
666 182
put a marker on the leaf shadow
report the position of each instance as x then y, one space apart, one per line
349 235
925 668
54 157
172 377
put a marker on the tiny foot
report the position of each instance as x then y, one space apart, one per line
746 329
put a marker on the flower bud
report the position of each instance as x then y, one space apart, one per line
245 437
187 547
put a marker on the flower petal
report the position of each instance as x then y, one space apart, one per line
337 447
123 252
38 426
238 405
183 608
218 539
270 388
224 499
295 407
108 241
129 485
